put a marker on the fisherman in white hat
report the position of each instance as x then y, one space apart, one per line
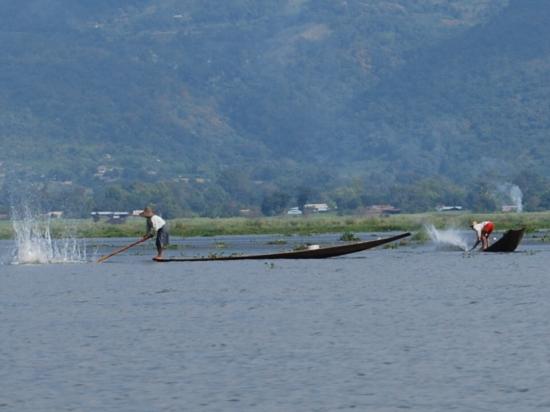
156 226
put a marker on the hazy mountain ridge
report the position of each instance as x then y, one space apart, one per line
484 94
288 92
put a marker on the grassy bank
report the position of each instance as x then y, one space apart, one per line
292 225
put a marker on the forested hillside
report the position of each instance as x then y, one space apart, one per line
209 107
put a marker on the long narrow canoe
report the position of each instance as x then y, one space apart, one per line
508 242
319 253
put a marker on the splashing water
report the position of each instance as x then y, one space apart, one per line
34 244
448 237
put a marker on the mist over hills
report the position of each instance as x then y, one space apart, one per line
208 107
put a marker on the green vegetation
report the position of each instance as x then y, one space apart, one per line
349 237
288 226
205 108
6 231
277 242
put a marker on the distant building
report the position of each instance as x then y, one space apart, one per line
442 208
384 210
112 217
510 208
190 179
317 207
56 214
294 211
181 179
101 170
108 173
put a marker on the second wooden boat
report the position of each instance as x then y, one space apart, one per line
508 242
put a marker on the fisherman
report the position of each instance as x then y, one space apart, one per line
483 230
156 226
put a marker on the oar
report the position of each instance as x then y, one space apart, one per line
474 246
125 248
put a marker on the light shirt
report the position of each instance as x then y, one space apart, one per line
478 227
157 223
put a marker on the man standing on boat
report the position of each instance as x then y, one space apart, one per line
156 226
483 230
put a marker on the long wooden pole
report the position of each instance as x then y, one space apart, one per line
125 248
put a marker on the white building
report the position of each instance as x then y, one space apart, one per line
448 208
317 207
294 211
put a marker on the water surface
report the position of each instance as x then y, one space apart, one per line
410 328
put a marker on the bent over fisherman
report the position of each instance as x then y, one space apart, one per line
156 226
483 230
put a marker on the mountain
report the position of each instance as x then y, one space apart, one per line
208 107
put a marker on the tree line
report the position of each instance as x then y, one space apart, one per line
234 194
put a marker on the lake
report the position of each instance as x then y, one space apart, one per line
408 328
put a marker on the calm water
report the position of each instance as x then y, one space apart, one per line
412 328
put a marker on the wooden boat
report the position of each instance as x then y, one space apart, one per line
314 253
508 242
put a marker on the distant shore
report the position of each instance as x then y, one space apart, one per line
313 224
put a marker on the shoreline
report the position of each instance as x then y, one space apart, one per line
286 226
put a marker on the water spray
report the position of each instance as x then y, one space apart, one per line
448 237
34 243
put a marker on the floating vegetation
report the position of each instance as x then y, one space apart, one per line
306 246
420 236
277 242
543 237
349 237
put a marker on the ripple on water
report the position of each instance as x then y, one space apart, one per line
402 328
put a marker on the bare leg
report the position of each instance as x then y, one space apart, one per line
485 241
159 253
159 249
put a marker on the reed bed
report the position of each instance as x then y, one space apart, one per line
304 225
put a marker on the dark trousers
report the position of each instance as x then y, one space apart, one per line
163 239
